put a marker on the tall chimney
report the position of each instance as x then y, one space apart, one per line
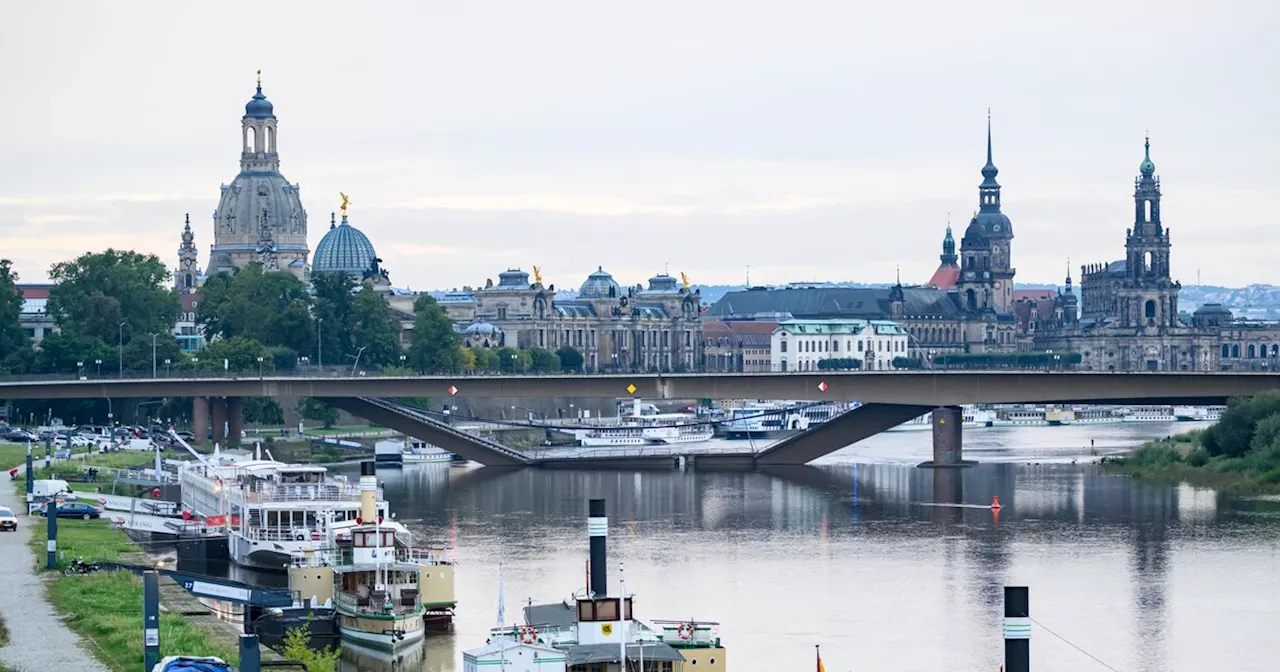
597 531
368 492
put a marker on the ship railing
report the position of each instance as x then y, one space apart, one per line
553 635
301 492
345 555
688 633
283 534
405 603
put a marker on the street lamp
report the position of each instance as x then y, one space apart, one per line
79 369
319 351
259 367
153 354
166 367
99 363
357 363
120 350
402 358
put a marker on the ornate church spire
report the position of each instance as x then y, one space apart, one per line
989 190
948 256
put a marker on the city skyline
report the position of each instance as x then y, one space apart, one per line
702 147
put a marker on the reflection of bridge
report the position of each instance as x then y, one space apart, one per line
889 398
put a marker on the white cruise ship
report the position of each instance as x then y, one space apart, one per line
272 510
1198 413
1148 414
773 419
646 426
974 418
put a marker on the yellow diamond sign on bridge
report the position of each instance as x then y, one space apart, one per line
631 388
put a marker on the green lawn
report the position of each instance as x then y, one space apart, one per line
107 607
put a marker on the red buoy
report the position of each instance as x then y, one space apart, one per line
995 502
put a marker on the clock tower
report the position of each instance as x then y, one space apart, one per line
187 279
986 270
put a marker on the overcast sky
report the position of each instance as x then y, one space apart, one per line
806 140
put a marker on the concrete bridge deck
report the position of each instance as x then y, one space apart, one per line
916 388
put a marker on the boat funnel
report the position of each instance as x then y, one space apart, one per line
597 533
368 492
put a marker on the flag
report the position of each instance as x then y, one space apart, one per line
821 667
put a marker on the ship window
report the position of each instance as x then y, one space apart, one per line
586 610
607 610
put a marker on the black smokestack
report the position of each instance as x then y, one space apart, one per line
598 531
368 468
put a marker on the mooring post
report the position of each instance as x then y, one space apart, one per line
31 479
48 450
52 511
150 619
250 654
1017 629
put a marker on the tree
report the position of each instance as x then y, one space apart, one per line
271 308
138 353
543 361
314 409
239 353
15 347
61 351
486 359
374 328
297 646
332 314
435 346
469 359
511 360
570 358
95 292
263 411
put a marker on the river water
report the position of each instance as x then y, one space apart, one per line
856 554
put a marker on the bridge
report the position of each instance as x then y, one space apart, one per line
888 399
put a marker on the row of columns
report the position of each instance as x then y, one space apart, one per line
225 415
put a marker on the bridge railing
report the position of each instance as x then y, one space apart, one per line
621 452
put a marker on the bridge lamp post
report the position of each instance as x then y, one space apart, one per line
259 367
99 363
166 366
319 351
153 354
79 369
120 350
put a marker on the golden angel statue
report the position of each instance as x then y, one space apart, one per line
537 275
345 201
684 280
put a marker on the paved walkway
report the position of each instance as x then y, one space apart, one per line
38 639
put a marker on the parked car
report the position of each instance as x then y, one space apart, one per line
73 510
19 436
8 521
187 436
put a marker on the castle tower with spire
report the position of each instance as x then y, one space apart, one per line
949 270
260 218
187 279
986 272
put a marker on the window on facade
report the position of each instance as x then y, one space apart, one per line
782 346
1226 350
1235 351
502 312
1252 353
859 346
783 364
835 347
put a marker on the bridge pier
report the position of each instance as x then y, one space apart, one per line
948 438
218 410
235 421
200 419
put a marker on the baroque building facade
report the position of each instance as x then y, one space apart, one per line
1127 317
616 328
259 218
967 306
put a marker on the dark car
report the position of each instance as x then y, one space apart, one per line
19 435
74 510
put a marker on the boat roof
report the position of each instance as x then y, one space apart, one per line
504 645
558 615
265 467
608 653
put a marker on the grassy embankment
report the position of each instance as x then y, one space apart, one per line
106 608
1239 454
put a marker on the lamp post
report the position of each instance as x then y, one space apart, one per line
120 350
319 351
153 354
259 367
402 358
357 363
166 367
99 363
79 369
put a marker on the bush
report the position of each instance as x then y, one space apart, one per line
1198 457
1233 435
839 364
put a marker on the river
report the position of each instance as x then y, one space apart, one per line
854 554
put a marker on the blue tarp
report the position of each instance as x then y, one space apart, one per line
186 664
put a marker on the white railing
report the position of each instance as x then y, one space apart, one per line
547 634
350 602
689 633
300 492
674 450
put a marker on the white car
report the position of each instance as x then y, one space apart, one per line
8 521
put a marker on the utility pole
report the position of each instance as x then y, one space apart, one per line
121 350
153 354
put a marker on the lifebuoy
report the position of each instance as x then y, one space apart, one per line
685 631
528 634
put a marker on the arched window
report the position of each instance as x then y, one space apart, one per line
1150 311
271 139
1226 350
1147 207
1235 351
1252 353
783 364
1275 350
970 298
250 139
783 348
1148 259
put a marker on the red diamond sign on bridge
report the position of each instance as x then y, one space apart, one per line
822 387
452 390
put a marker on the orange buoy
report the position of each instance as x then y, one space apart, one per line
995 502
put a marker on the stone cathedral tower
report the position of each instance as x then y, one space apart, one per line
1147 297
260 218
986 271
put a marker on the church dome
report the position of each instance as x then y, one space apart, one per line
1147 167
598 285
343 249
259 107
480 329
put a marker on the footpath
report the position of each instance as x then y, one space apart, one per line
38 639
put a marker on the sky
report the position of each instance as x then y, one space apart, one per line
802 140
